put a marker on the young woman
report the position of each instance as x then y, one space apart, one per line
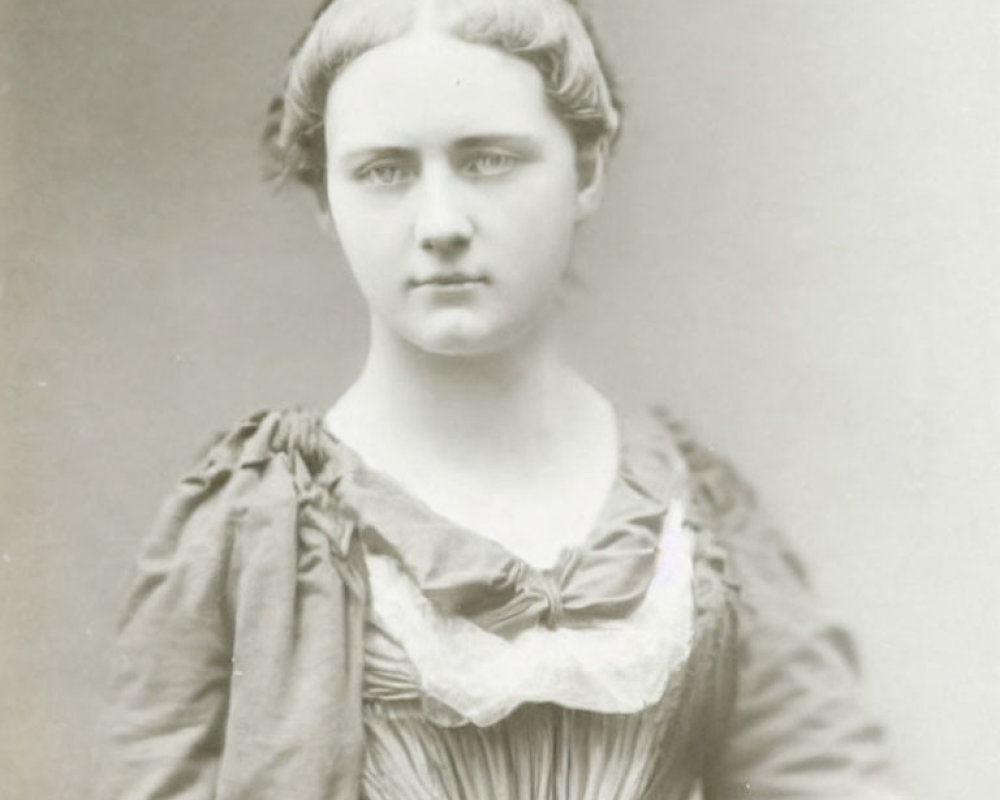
471 577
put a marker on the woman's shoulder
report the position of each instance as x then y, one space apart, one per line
796 707
718 495
733 524
260 437
248 583
270 470
290 442
267 451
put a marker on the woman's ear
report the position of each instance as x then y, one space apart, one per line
591 162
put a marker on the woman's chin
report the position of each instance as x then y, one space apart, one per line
463 337
460 344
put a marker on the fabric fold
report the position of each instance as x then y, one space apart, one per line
603 577
465 673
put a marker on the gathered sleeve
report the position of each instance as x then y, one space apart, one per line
239 658
797 726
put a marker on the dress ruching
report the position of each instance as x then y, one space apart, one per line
252 663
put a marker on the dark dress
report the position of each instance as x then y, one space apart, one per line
301 627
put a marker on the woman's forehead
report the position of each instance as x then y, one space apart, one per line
432 87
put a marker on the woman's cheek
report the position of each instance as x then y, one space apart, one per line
373 242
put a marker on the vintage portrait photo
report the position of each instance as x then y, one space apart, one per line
500 400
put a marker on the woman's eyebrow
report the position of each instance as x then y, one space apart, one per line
516 141
367 153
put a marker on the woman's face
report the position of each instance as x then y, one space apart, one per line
454 191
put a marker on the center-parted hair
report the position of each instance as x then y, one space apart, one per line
553 35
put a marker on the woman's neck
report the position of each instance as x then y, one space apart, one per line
513 406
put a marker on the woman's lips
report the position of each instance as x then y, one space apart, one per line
451 279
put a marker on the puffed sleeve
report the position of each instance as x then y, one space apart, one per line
238 663
797 727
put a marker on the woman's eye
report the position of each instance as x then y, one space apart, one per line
490 164
382 174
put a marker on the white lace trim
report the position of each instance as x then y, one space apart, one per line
612 666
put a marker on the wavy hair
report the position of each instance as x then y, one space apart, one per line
553 35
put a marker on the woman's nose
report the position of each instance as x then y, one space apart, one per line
443 224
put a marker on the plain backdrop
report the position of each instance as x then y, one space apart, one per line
798 253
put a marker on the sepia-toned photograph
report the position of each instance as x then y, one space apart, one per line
500 400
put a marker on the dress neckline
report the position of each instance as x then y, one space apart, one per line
604 575
390 485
